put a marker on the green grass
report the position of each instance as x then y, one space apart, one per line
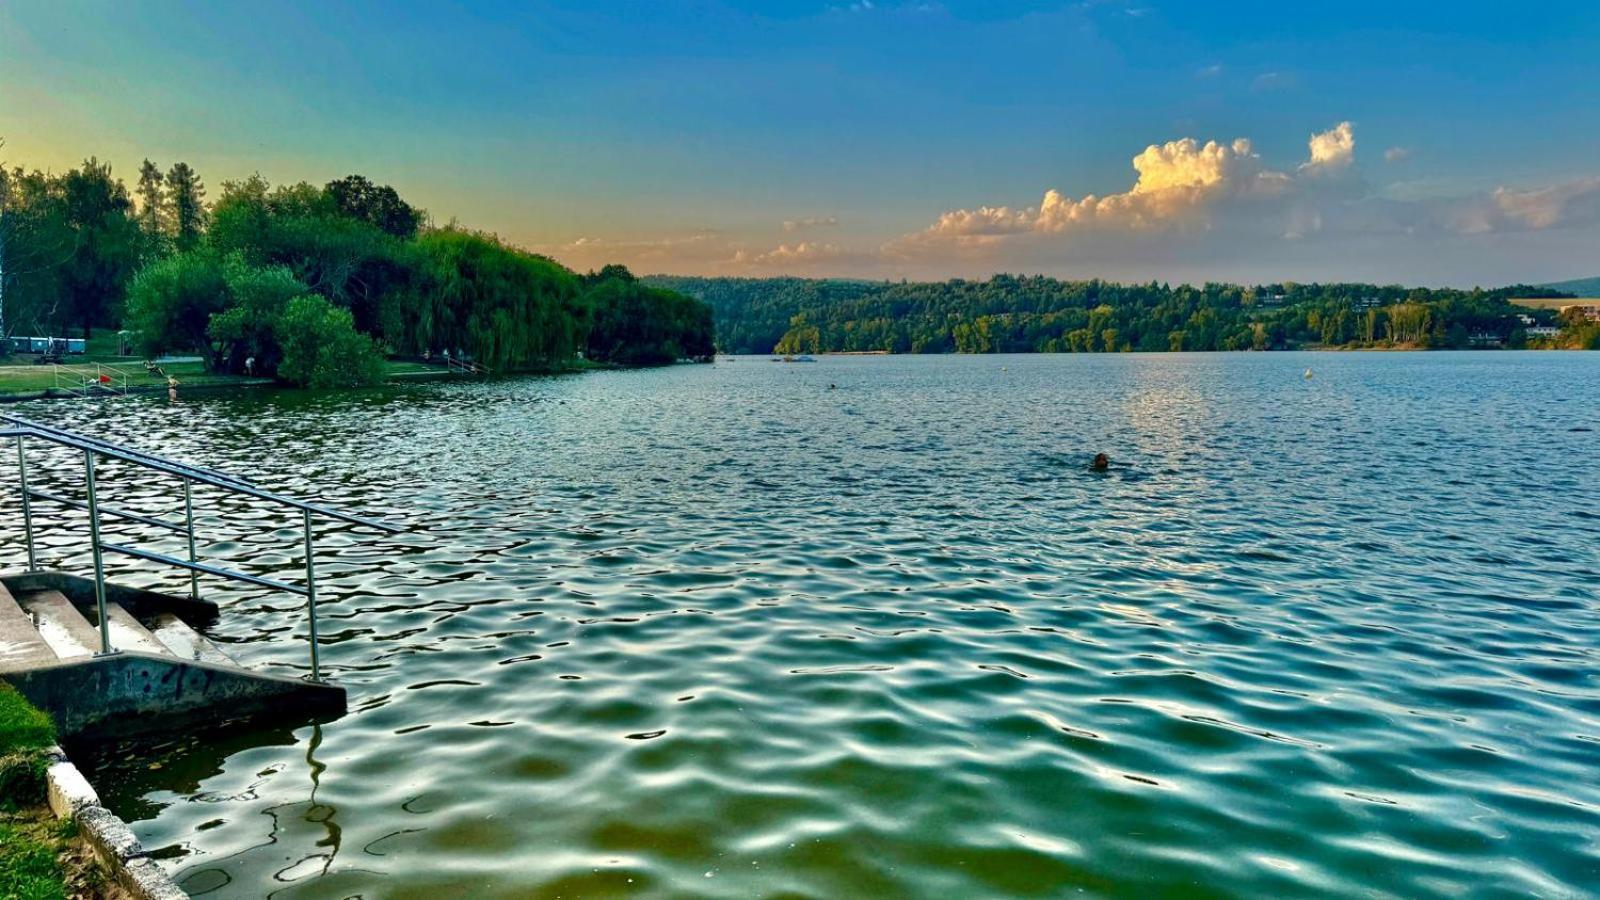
22 728
29 863
19 376
30 840
24 733
401 368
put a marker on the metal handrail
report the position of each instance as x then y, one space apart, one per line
36 494
125 451
218 571
467 367
85 381
23 429
203 476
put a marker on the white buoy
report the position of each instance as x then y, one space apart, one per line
1308 373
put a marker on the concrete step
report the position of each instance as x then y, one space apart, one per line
186 643
128 634
65 629
20 643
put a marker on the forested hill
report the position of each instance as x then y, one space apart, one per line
1010 314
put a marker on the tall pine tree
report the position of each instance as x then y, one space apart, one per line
186 205
151 212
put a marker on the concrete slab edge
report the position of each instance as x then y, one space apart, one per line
114 844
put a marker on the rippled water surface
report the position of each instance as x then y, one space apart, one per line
728 631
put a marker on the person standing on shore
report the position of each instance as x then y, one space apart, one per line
250 366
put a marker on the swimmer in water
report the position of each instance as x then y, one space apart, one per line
1101 463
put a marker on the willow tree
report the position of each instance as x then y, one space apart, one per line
507 308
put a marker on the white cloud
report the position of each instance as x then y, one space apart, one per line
788 257
1178 182
1397 154
1333 149
1272 81
802 254
642 254
1211 207
810 223
1572 203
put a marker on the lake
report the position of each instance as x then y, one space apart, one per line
869 627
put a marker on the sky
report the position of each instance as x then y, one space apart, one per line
1423 143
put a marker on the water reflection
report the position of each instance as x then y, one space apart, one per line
722 632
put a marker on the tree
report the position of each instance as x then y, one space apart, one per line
171 302
505 307
34 241
250 327
186 206
151 206
377 205
321 347
107 244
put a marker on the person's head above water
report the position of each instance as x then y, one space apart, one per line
1101 462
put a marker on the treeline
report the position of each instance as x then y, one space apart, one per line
309 284
1012 314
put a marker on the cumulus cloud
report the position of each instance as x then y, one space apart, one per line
802 254
810 223
1190 206
1332 150
1225 192
1178 183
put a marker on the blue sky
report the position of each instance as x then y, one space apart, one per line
911 139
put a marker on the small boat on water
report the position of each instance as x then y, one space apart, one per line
795 359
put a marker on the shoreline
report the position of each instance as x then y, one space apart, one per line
402 372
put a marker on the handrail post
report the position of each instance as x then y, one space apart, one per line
311 596
27 505
188 517
99 561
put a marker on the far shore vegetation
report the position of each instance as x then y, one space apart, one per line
314 286
1020 314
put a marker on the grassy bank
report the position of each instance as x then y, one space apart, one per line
19 377
36 849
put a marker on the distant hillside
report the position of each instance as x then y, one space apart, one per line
1577 287
1011 314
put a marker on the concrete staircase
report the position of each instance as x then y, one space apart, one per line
44 626
163 672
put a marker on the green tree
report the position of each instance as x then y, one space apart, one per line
355 197
107 245
321 347
185 206
250 326
152 209
35 241
171 302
